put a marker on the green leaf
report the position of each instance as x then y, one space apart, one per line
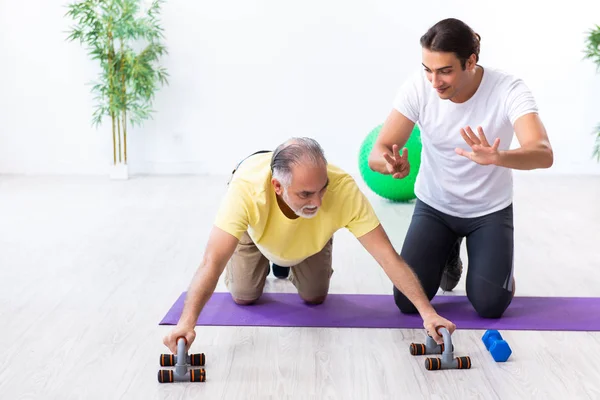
111 31
592 46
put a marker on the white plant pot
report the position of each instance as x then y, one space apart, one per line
119 171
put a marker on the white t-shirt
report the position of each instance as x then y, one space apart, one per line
451 183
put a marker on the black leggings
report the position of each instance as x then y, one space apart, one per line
430 240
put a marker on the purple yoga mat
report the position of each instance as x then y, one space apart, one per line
379 311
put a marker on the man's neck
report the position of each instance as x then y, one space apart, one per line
285 209
472 87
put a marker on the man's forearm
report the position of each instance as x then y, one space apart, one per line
526 158
376 161
201 288
403 277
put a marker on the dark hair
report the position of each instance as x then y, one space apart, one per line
451 35
292 152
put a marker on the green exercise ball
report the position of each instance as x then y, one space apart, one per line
398 190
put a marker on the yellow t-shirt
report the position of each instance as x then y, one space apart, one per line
250 205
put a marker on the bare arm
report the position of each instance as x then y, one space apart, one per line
219 249
395 131
379 246
535 151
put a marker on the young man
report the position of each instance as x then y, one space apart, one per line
467 115
284 207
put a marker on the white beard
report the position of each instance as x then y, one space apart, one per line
300 212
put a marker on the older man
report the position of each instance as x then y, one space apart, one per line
284 207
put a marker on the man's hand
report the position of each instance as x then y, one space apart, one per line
482 153
397 165
188 333
432 322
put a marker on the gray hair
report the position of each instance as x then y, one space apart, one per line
294 152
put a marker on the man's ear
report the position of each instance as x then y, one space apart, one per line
471 62
277 186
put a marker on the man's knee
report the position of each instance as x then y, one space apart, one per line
490 309
313 300
244 296
404 305
489 301
244 302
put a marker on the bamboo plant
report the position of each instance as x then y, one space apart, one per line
126 43
592 52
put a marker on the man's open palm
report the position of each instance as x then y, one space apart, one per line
482 153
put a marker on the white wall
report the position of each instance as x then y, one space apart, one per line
246 75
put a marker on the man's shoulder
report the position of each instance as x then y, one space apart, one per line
499 77
504 87
253 174
342 184
257 166
338 175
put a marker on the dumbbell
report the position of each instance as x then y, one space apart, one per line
181 361
498 347
447 361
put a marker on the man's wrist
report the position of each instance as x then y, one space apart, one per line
427 311
188 322
500 158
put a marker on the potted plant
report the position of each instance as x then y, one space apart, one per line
592 52
126 43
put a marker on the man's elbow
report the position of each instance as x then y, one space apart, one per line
391 260
371 162
375 159
548 159
212 265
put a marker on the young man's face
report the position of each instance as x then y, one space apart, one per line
305 194
445 73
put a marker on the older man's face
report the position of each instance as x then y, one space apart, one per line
305 194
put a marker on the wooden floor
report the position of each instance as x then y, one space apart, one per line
88 267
